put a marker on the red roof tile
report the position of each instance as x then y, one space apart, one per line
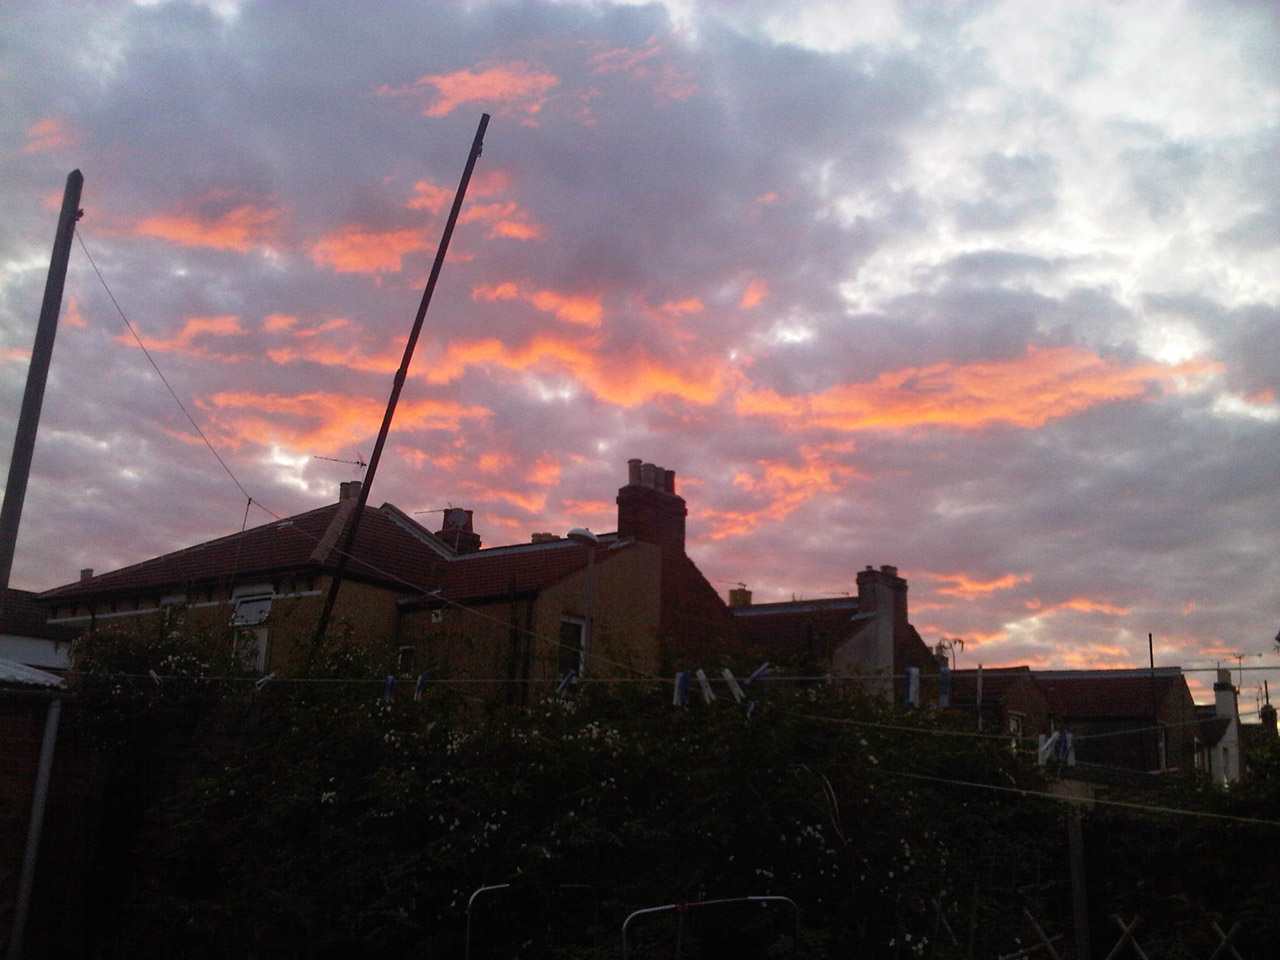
388 549
1098 695
796 627
528 566
996 681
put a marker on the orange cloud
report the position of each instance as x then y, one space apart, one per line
430 197
967 588
73 317
505 220
626 381
1080 605
195 329
637 62
729 523
351 357
352 250
514 87
632 60
1046 384
545 472
572 308
677 307
1092 606
493 462
516 230
501 291
529 502
278 321
756 291
323 423
51 133
239 228
788 485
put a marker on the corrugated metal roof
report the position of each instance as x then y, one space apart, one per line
11 672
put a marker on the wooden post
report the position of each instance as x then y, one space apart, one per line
1079 893
397 384
24 440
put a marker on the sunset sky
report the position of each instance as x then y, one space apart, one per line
989 291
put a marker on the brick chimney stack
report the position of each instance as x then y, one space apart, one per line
1267 714
883 591
648 508
456 530
349 490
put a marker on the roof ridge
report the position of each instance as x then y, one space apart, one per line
193 549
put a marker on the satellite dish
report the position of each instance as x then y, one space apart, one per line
455 519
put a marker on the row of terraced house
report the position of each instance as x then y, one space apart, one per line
628 603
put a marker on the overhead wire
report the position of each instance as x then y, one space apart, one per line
163 379
250 501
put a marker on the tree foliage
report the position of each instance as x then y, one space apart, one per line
324 821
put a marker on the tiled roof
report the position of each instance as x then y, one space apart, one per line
528 566
1101 694
798 626
386 550
996 681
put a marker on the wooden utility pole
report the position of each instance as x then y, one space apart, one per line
24 441
344 554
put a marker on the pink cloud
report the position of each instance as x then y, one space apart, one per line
214 224
513 87
51 133
355 250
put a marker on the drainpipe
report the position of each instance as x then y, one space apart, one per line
43 772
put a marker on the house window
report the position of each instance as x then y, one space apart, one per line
572 630
253 607
404 660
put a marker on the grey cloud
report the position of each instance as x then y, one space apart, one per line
1018 188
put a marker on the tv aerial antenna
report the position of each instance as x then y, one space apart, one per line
359 461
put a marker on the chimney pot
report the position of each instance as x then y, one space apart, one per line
633 470
647 471
669 481
890 570
86 573
349 490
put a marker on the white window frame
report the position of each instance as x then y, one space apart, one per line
250 619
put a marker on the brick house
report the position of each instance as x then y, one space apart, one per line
27 638
514 612
1008 699
867 636
266 584
1137 719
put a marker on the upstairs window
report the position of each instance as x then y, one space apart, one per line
572 630
252 609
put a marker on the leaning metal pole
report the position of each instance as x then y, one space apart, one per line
24 441
397 385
